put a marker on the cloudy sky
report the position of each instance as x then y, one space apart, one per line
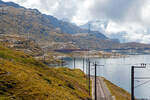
130 16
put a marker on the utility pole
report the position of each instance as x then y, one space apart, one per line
95 81
74 60
89 30
44 55
89 78
132 83
133 78
62 63
1 13
83 64
96 65
87 66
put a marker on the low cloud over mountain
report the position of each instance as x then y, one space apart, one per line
131 16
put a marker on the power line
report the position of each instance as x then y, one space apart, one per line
83 63
142 84
142 78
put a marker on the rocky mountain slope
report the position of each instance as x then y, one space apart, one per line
28 19
30 22
48 31
21 44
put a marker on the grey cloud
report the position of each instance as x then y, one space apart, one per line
65 9
22 1
117 10
120 12
47 4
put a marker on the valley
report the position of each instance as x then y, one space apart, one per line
43 57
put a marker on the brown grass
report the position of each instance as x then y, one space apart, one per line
119 93
24 78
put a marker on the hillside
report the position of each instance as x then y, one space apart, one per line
21 44
24 78
33 21
119 93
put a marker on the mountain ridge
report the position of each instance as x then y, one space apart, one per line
48 30
11 4
64 26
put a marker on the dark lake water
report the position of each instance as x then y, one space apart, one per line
118 71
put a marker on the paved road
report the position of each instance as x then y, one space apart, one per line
102 91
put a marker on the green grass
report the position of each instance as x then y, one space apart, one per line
24 78
119 93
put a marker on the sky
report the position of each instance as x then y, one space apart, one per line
130 16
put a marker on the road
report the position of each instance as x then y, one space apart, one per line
102 91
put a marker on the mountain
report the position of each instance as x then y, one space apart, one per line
10 4
19 20
46 23
121 36
120 33
96 25
48 31
100 26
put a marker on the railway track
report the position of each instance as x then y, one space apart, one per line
102 90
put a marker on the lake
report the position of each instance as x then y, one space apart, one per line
118 71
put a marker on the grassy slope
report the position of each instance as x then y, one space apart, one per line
23 78
119 93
